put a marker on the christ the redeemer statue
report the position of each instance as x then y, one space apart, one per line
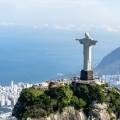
88 42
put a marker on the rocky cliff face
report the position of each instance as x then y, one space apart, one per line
69 113
98 112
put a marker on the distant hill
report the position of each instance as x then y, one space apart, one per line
110 63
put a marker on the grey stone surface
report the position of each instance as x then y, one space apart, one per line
69 113
99 112
86 75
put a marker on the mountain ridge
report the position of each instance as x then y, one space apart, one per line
110 64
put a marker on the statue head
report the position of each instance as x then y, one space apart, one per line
87 35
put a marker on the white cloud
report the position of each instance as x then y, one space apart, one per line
65 27
7 24
113 29
40 26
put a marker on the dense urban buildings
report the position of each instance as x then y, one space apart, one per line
8 98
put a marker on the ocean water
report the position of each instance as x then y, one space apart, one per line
35 55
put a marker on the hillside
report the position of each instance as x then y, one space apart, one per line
110 63
67 102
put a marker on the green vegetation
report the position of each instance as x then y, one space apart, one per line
36 103
90 93
114 101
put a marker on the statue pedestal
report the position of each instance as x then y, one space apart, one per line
86 75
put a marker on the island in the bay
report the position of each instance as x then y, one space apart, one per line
80 98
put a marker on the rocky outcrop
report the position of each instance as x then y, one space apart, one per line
97 112
69 113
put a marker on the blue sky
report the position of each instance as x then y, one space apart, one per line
62 14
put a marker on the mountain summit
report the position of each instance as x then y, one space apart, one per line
110 63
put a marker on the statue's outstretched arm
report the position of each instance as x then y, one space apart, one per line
93 42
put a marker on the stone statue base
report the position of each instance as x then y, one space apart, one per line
86 75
